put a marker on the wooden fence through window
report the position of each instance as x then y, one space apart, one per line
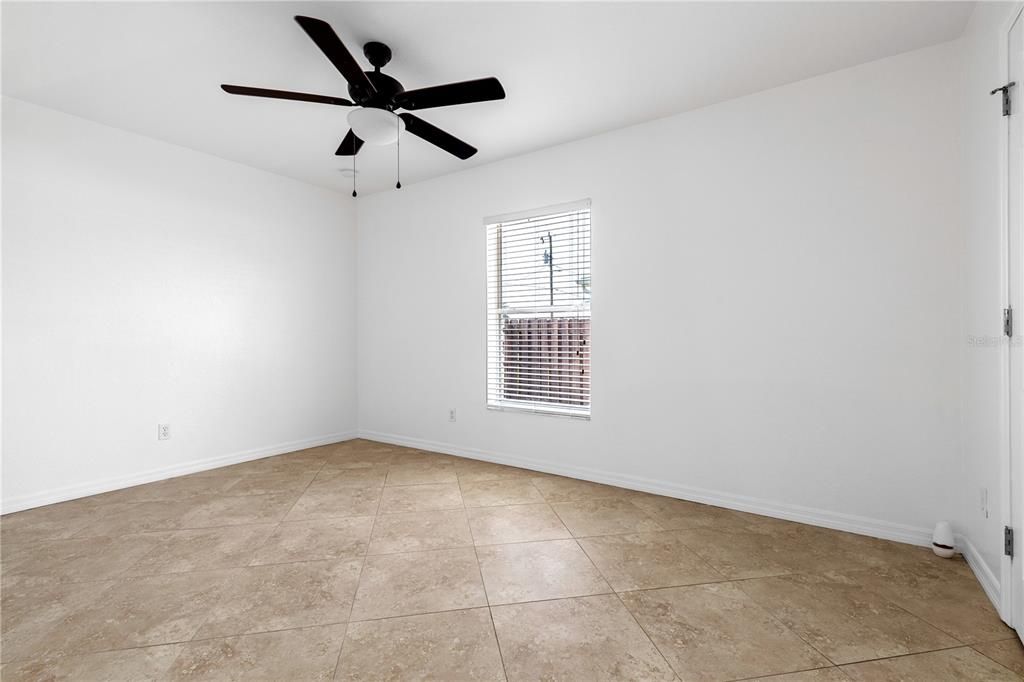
547 359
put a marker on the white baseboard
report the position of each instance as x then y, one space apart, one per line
790 512
106 485
988 580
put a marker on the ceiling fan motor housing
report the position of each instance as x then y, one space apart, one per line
386 86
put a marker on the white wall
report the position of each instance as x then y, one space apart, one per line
776 317
147 283
983 293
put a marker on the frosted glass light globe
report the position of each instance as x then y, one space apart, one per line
375 126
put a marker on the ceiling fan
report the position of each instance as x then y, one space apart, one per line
376 96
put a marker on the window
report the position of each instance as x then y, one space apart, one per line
538 311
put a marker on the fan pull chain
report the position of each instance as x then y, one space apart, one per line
398 154
354 172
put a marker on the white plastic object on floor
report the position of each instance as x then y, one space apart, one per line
942 540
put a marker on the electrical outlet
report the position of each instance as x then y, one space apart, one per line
451 414
163 431
984 502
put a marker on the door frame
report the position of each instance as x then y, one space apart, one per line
1011 606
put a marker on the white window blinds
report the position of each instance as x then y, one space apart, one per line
538 311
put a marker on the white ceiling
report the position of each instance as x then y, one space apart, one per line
570 70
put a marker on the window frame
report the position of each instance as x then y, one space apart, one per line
528 407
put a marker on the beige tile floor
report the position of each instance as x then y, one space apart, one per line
364 561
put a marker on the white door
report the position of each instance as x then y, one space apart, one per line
1015 302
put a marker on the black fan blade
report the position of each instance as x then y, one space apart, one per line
330 44
284 94
466 92
350 145
437 137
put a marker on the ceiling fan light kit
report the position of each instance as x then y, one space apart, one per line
376 96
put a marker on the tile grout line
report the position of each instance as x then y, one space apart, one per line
359 578
170 529
866 660
483 585
912 615
622 602
779 621
285 515
916 653
972 647
647 635
823 574
760 678
184 642
497 642
223 587
98 505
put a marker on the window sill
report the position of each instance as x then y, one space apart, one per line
531 408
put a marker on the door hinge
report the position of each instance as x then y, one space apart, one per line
1008 541
1006 96
1008 321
